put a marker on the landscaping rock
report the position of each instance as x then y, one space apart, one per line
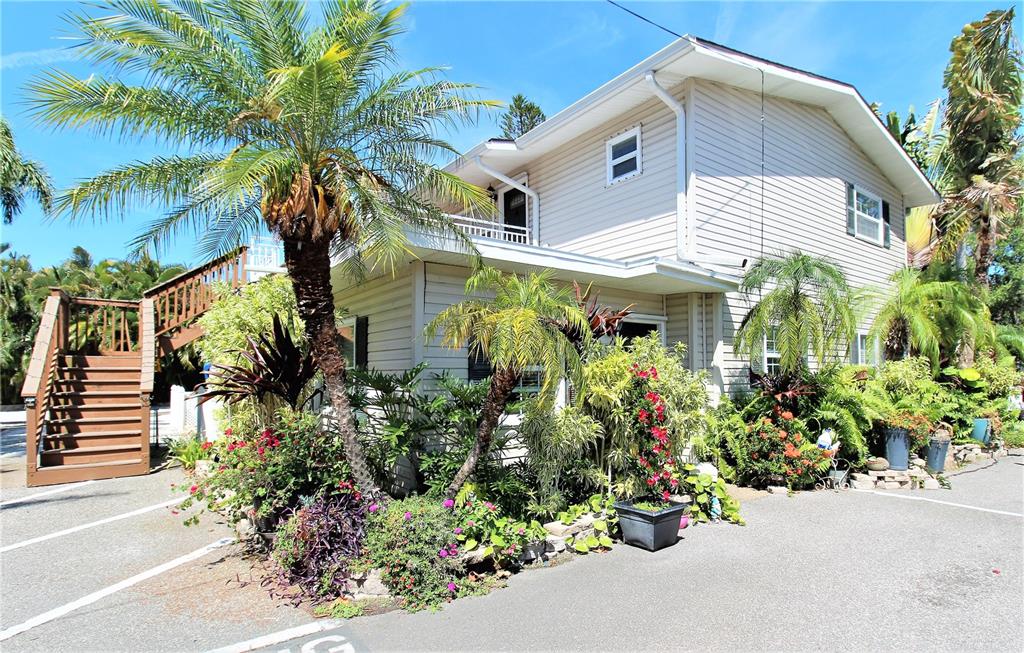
369 586
970 457
558 529
931 484
917 462
857 476
862 485
892 485
203 468
244 529
778 489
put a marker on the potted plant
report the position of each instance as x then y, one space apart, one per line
649 522
904 431
938 445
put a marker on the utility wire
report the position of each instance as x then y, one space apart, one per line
646 20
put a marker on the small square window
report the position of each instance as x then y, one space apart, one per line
624 156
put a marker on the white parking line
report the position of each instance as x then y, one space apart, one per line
56 490
280 636
107 520
41 619
945 503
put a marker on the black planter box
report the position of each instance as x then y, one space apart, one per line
646 529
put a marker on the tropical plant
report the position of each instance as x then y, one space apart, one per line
188 450
19 176
805 304
274 366
982 118
238 315
299 124
517 330
316 542
910 318
603 321
486 533
1006 294
521 116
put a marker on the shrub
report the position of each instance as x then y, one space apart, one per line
413 542
780 451
189 450
267 472
316 543
483 527
1000 377
237 316
1013 434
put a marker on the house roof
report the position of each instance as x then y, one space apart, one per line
694 57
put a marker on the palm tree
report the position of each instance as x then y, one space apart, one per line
18 176
908 320
809 308
982 116
521 328
299 124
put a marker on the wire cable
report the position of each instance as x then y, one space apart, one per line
646 20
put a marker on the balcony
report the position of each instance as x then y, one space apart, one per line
477 228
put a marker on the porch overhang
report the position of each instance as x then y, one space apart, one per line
657 275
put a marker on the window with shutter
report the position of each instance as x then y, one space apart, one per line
867 216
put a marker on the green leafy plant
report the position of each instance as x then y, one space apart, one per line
484 530
601 507
341 608
189 450
706 491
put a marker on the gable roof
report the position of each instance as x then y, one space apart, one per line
694 57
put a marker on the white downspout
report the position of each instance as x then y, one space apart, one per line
681 171
535 223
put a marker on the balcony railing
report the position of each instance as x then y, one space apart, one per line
477 228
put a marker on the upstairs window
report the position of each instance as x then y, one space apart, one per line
867 216
772 363
623 156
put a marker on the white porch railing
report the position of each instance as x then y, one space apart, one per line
265 256
477 228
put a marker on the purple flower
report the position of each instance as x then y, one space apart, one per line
443 553
458 531
373 507
408 515
452 587
448 503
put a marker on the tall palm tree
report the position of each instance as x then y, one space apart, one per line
274 118
982 117
805 302
521 328
19 176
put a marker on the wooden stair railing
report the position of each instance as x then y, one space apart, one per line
89 384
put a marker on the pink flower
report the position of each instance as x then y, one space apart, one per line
452 587
374 507
458 531
227 431
443 553
193 489
408 515
665 495
448 503
471 523
490 506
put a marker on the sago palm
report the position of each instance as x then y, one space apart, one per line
273 118
519 329
805 302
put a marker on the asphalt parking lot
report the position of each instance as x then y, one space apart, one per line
108 566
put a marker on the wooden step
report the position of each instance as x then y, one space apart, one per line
99 410
97 438
94 396
87 471
91 424
133 359
91 455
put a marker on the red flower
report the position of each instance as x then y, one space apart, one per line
651 481
206 445
643 415
787 415
227 432
654 372
665 495
193 489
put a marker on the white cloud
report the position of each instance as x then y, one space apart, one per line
593 33
37 57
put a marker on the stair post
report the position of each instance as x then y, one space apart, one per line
147 351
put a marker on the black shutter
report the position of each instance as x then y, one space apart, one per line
885 224
851 216
362 330
479 367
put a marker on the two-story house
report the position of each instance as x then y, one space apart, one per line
661 187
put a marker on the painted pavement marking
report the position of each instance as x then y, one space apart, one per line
294 633
89 599
939 501
56 490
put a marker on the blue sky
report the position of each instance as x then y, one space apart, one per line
554 52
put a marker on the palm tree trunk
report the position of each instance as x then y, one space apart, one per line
503 382
309 266
983 255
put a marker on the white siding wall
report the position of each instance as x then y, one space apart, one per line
808 160
634 218
387 302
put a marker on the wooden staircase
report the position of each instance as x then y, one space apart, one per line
89 384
